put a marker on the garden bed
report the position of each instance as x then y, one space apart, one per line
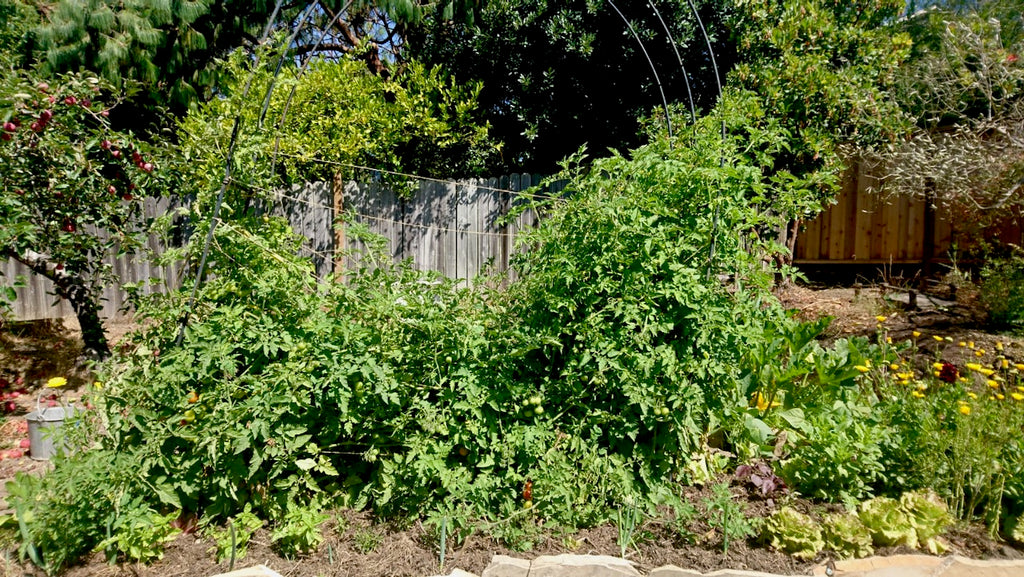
354 545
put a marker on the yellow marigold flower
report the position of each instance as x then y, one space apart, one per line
965 409
56 382
862 368
949 339
894 367
1019 366
1017 396
993 384
888 340
1005 363
972 395
970 344
1000 396
1020 388
918 394
961 344
962 379
978 353
974 366
937 366
916 334
999 346
986 371
904 376
97 385
938 338
880 318
905 382
922 387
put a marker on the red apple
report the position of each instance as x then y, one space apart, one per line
36 126
10 126
116 153
25 444
104 113
15 454
127 197
46 115
148 167
106 144
71 101
10 407
136 157
5 136
43 87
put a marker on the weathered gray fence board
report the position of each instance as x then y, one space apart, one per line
453 228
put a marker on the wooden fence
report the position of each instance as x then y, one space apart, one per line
455 228
864 227
36 300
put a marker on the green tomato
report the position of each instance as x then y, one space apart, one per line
539 410
535 400
190 416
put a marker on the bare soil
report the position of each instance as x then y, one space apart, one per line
31 353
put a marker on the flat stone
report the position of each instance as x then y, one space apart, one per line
673 571
962 567
740 573
257 571
505 566
910 565
581 566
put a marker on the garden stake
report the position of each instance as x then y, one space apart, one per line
444 539
234 544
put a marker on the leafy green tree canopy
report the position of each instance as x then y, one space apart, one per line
557 75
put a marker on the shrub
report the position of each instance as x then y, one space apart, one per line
1001 280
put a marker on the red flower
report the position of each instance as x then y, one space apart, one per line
948 373
1011 58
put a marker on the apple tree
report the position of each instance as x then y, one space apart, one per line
70 189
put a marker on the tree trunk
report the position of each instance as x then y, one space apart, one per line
75 290
787 238
87 309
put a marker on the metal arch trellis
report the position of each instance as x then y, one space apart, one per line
236 129
224 182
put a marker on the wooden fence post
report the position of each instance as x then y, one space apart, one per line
338 250
929 233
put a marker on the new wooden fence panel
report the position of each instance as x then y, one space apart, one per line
869 228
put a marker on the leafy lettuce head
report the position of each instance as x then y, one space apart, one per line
888 523
847 536
795 533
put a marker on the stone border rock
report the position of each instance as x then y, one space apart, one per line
606 566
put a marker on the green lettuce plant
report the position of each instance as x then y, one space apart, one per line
929 516
888 523
846 535
793 532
